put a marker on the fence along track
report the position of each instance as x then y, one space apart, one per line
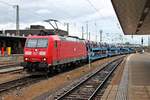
88 88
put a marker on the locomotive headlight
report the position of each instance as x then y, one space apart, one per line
42 53
28 53
44 59
25 59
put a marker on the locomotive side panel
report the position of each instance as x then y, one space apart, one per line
69 51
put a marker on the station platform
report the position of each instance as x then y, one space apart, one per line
15 58
17 68
132 81
11 63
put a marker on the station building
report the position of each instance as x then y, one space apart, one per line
9 38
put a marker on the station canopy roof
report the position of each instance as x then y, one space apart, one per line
133 15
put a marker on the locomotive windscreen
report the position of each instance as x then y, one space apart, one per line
36 43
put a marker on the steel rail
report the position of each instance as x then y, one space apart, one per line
117 62
104 81
8 66
18 82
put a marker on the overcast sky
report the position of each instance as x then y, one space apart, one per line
99 14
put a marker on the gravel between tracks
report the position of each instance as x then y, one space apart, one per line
111 90
53 83
118 74
10 76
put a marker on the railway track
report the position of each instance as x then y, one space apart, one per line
4 66
19 82
89 88
10 68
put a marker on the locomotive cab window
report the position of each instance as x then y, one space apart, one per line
31 43
42 43
37 43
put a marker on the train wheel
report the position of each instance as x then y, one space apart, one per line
51 71
56 69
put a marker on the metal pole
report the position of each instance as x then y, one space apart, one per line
100 35
96 31
89 53
17 19
96 37
68 28
87 30
82 32
89 36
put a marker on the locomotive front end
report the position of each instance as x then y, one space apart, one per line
36 54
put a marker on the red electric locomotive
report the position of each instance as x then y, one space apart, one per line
52 51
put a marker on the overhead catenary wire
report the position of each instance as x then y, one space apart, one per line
92 5
42 17
33 13
14 5
96 10
17 14
23 11
6 3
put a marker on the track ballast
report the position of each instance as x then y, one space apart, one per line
87 89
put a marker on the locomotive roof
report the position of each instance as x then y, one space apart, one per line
57 37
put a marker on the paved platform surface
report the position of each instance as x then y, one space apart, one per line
135 80
17 58
11 69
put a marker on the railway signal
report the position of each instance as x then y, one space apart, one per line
142 40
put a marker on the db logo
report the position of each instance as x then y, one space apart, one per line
74 49
35 53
